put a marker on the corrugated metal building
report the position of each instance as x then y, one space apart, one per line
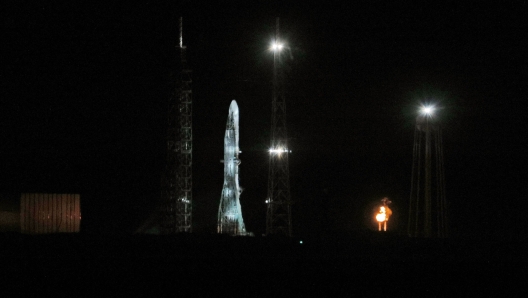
40 213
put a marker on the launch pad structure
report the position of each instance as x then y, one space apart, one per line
176 194
176 211
230 219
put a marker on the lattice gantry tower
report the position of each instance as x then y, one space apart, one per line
427 206
230 219
177 184
278 217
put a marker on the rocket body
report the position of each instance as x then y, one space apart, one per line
230 219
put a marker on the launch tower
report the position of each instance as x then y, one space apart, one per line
427 206
278 218
177 181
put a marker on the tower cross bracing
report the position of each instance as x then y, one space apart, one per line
427 205
278 218
177 181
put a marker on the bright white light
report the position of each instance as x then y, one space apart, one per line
278 150
427 110
276 46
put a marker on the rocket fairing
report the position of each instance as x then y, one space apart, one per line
230 219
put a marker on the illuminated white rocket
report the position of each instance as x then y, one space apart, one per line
230 213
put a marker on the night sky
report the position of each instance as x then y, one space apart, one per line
85 89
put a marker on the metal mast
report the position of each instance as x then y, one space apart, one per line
427 206
177 188
230 219
278 219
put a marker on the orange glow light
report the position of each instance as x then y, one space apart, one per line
382 215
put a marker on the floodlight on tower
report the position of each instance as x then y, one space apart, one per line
427 110
276 46
278 150
278 217
427 206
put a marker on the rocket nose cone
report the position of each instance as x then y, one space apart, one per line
233 106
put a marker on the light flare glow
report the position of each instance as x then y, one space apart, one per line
382 215
427 110
278 150
276 46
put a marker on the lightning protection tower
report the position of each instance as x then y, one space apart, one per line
278 218
177 184
427 206
230 219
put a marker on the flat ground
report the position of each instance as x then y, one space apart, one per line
364 263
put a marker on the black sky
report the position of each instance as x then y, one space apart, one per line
85 89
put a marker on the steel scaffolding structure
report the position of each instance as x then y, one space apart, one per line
177 184
278 219
230 219
427 206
